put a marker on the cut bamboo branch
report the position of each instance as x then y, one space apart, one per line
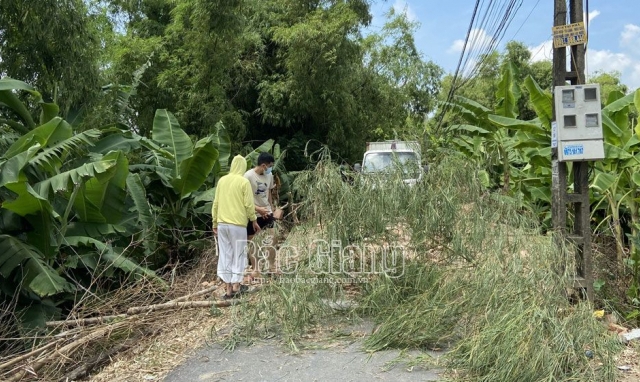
65 352
85 321
37 351
199 293
86 368
143 309
177 305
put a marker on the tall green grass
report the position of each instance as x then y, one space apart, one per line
478 279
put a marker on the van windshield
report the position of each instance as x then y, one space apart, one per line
385 161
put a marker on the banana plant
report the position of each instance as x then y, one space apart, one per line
491 136
9 100
176 173
617 177
61 209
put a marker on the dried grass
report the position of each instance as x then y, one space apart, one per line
154 340
180 334
177 334
495 295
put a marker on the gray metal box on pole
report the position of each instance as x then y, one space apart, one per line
578 123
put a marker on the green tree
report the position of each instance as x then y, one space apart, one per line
483 85
54 46
285 69
411 82
609 83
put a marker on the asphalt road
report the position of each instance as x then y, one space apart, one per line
268 360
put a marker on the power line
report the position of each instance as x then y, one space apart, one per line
455 76
486 30
525 20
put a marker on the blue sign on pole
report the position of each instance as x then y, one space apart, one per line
573 150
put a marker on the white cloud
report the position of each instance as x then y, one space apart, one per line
401 6
629 38
593 14
542 52
478 39
634 82
626 60
607 61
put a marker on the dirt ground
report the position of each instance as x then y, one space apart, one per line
629 363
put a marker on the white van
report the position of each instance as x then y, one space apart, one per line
381 157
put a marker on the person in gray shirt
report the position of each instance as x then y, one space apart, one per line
261 180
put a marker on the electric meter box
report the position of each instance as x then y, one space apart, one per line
579 123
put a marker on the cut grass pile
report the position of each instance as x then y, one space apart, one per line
475 277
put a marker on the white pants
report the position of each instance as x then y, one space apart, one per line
232 258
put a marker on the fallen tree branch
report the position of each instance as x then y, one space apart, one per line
176 305
294 212
65 351
200 293
85 321
143 309
84 369
37 351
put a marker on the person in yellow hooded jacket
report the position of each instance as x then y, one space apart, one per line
232 208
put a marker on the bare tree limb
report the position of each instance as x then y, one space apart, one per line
85 321
30 354
144 309
200 293
176 305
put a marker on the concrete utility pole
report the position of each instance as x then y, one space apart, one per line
581 233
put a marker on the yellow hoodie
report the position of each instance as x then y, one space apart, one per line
233 203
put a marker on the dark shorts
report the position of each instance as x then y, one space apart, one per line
262 222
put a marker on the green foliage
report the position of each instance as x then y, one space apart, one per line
477 278
24 264
86 196
57 198
609 84
275 69
483 86
523 148
40 44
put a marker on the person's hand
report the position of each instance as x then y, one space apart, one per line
215 231
263 211
256 226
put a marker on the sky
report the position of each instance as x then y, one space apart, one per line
614 32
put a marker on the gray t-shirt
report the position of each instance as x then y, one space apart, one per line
261 186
